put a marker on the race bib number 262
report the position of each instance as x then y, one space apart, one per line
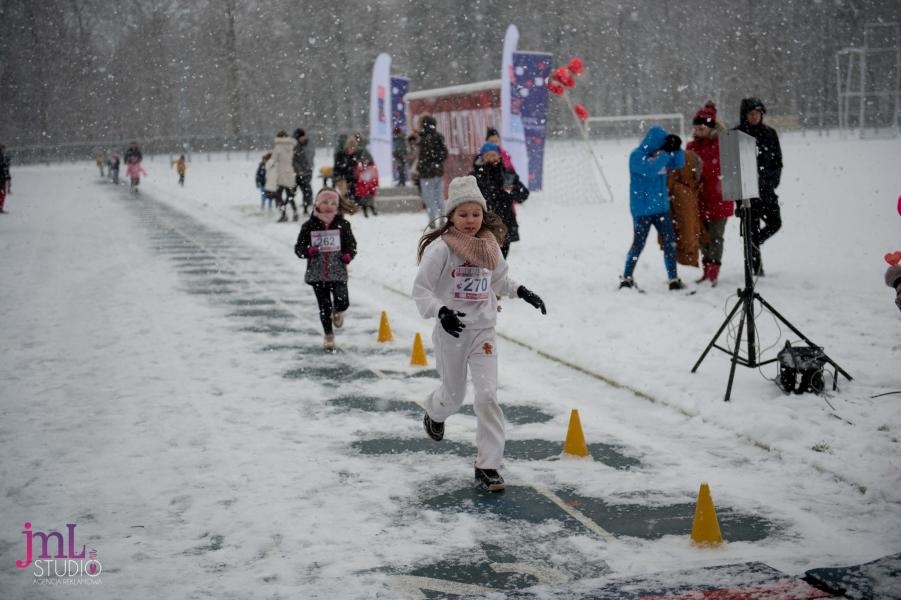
326 241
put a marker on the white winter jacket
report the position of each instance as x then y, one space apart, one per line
441 282
281 164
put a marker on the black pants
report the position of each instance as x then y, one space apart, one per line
285 196
765 211
306 190
325 291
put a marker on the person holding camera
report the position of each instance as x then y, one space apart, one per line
713 209
649 200
769 173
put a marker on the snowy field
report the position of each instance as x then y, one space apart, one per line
163 388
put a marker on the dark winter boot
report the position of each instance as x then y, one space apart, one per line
435 430
283 218
758 268
626 282
706 276
676 284
490 479
714 273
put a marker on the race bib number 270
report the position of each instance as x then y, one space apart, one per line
471 283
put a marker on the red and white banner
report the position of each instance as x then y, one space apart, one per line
380 114
464 113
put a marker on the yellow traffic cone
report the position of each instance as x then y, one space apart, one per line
417 359
705 530
575 439
385 334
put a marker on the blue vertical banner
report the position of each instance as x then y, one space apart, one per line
531 71
399 88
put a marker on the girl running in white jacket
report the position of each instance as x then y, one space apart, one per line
460 278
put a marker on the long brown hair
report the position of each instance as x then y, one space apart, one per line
490 222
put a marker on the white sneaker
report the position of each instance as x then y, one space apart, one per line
328 343
338 319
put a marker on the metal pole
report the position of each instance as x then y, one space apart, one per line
838 89
863 78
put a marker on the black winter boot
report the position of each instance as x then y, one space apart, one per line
490 479
433 429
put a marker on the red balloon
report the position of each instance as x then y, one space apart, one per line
560 73
576 67
568 81
581 112
555 88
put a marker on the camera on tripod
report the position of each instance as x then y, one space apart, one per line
801 369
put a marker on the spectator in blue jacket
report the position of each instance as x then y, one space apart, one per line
649 200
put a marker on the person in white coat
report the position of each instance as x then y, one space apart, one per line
461 274
281 180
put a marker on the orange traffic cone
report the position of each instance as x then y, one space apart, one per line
705 530
417 359
385 334
575 439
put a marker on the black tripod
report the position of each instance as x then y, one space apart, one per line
745 302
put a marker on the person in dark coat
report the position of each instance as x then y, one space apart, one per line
399 154
502 190
303 168
5 179
327 243
261 181
430 166
345 164
133 154
769 173
114 164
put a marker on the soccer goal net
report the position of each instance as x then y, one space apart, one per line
632 127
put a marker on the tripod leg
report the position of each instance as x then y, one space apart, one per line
741 327
735 308
799 334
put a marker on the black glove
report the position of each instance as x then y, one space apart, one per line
532 298
450 320
298 250
672 143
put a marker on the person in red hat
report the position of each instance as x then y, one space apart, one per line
713 209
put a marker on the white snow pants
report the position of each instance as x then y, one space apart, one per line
475 349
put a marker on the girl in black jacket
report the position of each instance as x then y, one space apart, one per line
327 243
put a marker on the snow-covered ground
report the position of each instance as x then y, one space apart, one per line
205 447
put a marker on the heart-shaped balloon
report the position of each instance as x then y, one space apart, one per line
893 258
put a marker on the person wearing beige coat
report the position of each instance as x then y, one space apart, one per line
683 186
281 180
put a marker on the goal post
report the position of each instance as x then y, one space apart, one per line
633 126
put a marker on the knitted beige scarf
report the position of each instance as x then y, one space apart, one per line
480 250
